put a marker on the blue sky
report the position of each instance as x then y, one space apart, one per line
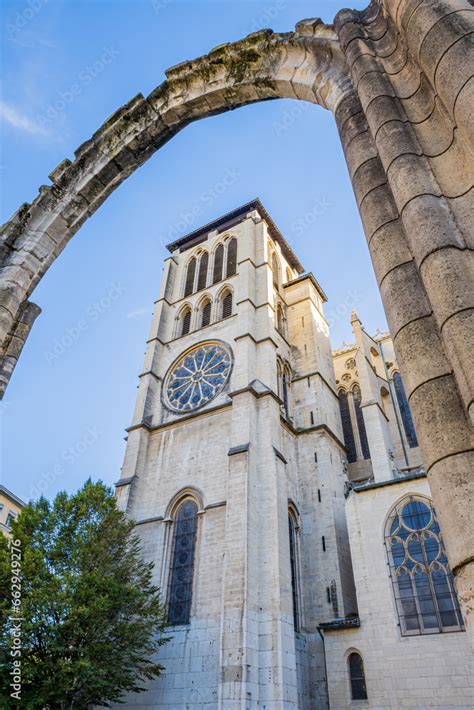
72 395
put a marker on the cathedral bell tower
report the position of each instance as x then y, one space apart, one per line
234 471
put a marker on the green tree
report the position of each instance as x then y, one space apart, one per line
92 618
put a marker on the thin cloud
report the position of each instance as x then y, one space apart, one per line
9 114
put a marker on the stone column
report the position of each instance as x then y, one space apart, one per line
408 162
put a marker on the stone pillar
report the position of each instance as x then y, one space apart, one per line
412 174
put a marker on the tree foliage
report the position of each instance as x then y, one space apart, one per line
92 618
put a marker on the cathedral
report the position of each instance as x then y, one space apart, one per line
278 487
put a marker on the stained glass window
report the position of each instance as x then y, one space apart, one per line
364 443
405 411
189 284
422 582
202 275
180 587
197 377
347 430
218 264
294 570
231 258
357 677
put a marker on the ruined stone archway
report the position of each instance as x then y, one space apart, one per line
399 79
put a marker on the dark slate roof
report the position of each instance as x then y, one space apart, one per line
229 220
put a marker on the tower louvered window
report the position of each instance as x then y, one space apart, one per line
231 258
423 584
294 571
364 443
182 564
227 305
348 432
206 314
357 677
189 285
405 411
202 275
186 322
218 264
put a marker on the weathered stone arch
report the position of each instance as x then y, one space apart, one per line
399 79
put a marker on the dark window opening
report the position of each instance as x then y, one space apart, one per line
357 676
206 314
231 258
189 285
349 441
227 305
218 264
294 571
364 443
202 276
405 411
186 322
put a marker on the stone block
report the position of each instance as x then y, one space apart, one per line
404 297
448 276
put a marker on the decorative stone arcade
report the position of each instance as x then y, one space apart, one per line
398 78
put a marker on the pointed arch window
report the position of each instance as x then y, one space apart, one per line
185 322
190 273
294 569
180 587
206 314
357 676
275 270
202 274
405 410
227 305
349 441
280 320
422 582
289 275
231 257
218 264
364 443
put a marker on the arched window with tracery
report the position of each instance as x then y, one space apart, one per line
190 273
348 432
357 676
185 321
206 313
423 585
275 270
202 274
218 264
405 410
180 587
231 257
226 305
292 527
364 443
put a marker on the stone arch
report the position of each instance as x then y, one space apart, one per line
399 79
